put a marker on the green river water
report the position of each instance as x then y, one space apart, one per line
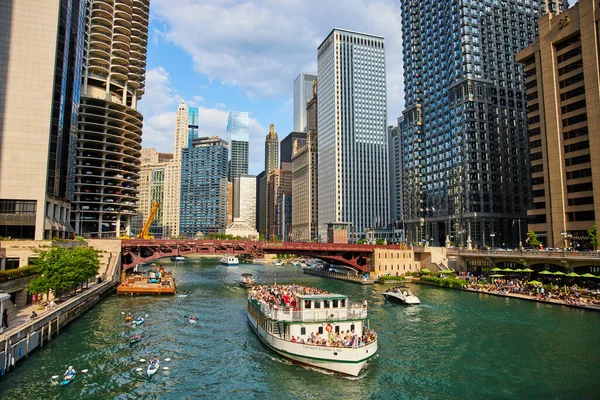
455 345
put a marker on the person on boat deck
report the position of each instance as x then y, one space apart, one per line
293 338
69 373
33 314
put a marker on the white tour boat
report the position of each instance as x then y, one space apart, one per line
346 342
403 295
229 260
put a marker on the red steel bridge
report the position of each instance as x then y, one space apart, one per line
357 256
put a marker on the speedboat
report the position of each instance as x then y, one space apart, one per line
403 295
290 331
277 262
178 258
247 280
152 368
229 260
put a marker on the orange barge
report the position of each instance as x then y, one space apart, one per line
140 284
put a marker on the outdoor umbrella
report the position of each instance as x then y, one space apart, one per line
527 270
508 270
496 276
546 273
588 275
573 275
562 273
519 270
534 283
496 269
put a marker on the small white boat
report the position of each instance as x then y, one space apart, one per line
178 258
403 295
259 261
247 280
152 368
229 260
193 321
277 262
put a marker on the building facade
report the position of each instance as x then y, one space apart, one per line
238 138
465 149
204 187
395 174
302 94
152 189
193 124
271 164
286 147
244 202
41 58
352 125
563 101
110 127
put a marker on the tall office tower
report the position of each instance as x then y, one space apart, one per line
271 163
238 137
287 145
193 124
352 112
152 189
261 204
204 187
41 51
465 164
229 203
172 198
303 85
110 127
305 180
272 193
271 150
561 83
244 203
283 203
394 147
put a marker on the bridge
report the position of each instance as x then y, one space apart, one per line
356 256
565 260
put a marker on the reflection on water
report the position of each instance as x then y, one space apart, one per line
454 345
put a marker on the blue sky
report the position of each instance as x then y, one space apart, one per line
222 55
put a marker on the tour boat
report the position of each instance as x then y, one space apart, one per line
403 295
287 331
229 260
247 280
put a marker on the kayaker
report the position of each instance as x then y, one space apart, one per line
136 336
69 373
154 361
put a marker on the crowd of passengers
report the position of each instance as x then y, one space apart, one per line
572 295
341 339
283 296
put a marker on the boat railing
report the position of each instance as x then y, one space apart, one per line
313 315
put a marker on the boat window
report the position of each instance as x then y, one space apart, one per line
317 304
335 304
320 330
337 329
326 304
352 327
303 331
307 304
343 303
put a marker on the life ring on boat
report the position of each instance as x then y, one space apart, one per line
329 328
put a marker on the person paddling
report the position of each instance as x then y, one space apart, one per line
70 373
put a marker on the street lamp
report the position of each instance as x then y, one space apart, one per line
566 235
492 235
519 222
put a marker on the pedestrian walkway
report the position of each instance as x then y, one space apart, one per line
532 298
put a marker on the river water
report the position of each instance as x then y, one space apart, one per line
455 345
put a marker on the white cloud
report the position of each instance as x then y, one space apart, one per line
159 106
261 46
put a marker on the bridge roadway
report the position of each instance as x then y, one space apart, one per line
357 256
569 260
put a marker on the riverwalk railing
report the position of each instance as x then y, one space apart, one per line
526 253
324 315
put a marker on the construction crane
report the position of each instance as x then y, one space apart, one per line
145 232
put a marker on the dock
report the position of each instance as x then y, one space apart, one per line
142 284
337 275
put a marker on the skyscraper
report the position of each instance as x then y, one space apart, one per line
287 145
464 144
303 85
562 91
271 150
193 124
173 178
238 137
352 125
204 187
152 188
271 163
41 58
394 145
244 203
110 127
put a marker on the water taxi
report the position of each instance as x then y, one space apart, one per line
229 260
325 331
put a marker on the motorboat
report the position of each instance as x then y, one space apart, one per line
277 262
403 295
247 280
259 261
229 260
290 331
178 258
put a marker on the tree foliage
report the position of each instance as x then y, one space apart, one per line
593 235
533 239
63 268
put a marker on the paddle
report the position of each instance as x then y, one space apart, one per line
165 368
167 359
139 369
142 360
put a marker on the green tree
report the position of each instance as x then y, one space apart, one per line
261 237
593 235
533 239
63 268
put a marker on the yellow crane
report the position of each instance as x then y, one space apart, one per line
145 232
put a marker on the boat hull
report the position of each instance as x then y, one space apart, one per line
409 301
151 372
342 360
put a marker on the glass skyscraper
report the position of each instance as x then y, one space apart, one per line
464 146
303 85
238 137
203 206
352 126
193 124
